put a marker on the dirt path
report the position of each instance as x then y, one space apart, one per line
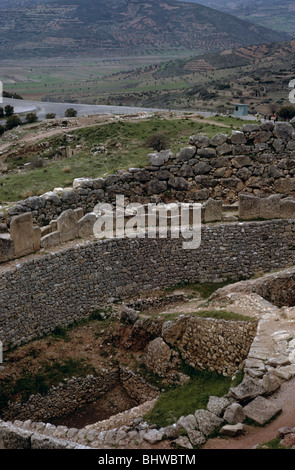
285 398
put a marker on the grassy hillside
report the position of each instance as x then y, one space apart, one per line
95 27
125 147
279 16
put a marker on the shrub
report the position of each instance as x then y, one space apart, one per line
31 117
2 130
158 141
9 110
37 162
12 121
71 112
287 112
50 116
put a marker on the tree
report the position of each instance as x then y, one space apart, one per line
50 116
287 112
1 113
12 121
31 117
71 112
9 110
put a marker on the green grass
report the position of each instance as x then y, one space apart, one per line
272 444
188 398
215 314
201 289
50 374
132 153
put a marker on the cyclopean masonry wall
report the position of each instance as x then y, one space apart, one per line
56 289
258 160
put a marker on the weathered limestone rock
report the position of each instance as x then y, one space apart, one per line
196 438
6 247
218 140
238 137
217 405
86 224
22 234
207 422
183 442
212 210
207 152
278 361
249 207
156 187
37 238
82 183
248 389
284 185
270 383
173 331
287 208
158 159
261 410
288 441
67 225
232 430
199 141
270 207
14 438
153 436
186 153
171 432
157 357
129 315
51 239
234 414
283 130
189 423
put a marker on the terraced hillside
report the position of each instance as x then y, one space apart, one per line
91 27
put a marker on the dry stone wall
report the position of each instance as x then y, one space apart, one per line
258 160
206 343
76 392
59 288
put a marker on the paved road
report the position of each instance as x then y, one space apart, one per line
42 108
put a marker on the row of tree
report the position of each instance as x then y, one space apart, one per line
12 120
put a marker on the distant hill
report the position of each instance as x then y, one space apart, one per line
95 27
257 75
279 15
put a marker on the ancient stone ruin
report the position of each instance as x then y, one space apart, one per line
245 184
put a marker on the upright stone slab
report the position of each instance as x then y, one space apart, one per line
86 224
287 209
6 247
22 234
249 207
37 238
270 207
67 225
212 210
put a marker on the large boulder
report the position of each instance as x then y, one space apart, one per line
261 410
248 389
207 422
